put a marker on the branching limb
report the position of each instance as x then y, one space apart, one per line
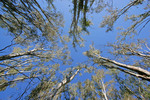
136 71
15 80
131 51
132 92
130 67
104 90
138 53
27 87
56 90
8 74
9 56
43 12
129 72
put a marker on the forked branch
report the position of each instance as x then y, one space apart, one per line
57 89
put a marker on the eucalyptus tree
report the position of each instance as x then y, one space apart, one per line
129 60
39 58
35 53
130 52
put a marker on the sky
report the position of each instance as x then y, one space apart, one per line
98 35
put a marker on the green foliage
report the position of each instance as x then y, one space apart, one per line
17 50
40 55
3 86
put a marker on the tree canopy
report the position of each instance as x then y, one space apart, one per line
39 60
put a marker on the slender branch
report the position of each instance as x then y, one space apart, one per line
133 68
104 90
15 80
140 72
43 12
60 85
129 72
9 56
137 53
19 64
132 92
27 87
131 51
8 74
147 46
7 47
127 7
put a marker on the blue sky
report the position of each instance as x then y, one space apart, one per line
97 35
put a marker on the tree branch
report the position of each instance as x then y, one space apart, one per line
56 90
139 70
129 72
43 12
18 79
104 90
9 56
138 53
